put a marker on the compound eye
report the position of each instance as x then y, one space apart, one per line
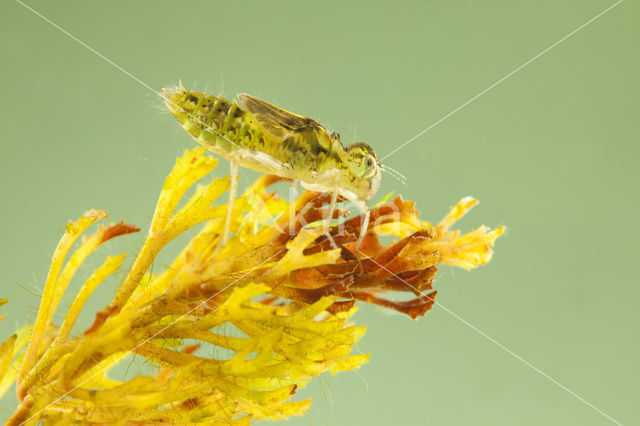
369 164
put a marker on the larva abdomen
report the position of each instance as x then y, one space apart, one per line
211 120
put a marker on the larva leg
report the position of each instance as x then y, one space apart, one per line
233 186
365 224
293 197
328 181
327 222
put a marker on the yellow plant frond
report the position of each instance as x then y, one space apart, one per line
227 334
466 251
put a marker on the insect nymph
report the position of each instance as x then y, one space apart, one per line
258 135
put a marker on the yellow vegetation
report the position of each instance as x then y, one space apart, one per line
279 285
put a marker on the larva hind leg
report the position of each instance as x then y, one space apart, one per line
365 224
294 189
233 186
293 198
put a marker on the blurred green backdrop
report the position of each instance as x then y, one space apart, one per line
551 152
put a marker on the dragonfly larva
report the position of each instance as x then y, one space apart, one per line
258 135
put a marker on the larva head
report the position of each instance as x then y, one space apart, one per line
363 171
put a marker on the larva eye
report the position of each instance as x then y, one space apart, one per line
370 166
369 161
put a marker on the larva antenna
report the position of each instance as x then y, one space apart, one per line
395 174
394 171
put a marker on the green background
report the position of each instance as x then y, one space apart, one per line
551 152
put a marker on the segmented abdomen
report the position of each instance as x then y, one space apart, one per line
216 123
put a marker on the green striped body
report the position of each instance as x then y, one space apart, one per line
265 138
225 128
